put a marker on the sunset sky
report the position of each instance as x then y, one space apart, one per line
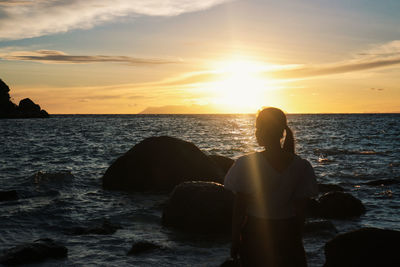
208 56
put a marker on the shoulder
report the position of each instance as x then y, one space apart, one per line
301 162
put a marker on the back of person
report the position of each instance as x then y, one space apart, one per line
269 186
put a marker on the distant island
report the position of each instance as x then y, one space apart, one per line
25 109
181 109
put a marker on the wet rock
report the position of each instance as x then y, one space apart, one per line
106 228
366 247
34 252
143 247
26 108
160 163
382 182
43 177
201 207
339 205
312 208
224 163
319 226
8 195
325 188
230 263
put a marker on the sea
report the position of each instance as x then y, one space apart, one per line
344 149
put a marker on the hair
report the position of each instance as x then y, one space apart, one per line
270 125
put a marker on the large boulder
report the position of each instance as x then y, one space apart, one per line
200 207
224 163
160 163
366 247
340 205
34 252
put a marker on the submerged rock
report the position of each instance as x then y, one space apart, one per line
202 207
339 205
160 163
8 195
34 252
43 177
325 188
224 163
366 247
143 247
106 228
382 182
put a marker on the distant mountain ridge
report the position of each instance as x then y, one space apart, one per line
181 109
26 108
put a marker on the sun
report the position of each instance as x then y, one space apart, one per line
242 87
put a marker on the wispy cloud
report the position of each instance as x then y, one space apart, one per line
335 68
26 19
53 56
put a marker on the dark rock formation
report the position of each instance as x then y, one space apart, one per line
105 228
382 182
143 247
366 247
319 226
339 205
224 163
160 163
8 195
201 207
26 108
335 205
37 251
325 188
44 177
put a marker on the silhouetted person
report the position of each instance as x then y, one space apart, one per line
271 188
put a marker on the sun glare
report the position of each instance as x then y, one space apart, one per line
242 87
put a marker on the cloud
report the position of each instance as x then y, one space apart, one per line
26 19
331 69
53 56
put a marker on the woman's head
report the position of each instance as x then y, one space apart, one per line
270 126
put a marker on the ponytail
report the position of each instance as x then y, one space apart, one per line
288 145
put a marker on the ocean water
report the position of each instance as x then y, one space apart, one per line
347 150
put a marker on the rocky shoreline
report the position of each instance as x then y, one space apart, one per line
198 203
25 109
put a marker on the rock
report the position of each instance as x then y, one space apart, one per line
143 247
37 251
312 208
366 247
339 205
325 188
201 207
160 163
44 177
224 163
8 195
319 226
26 108
106 228
382 182
231 263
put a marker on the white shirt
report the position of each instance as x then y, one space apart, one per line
272 193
